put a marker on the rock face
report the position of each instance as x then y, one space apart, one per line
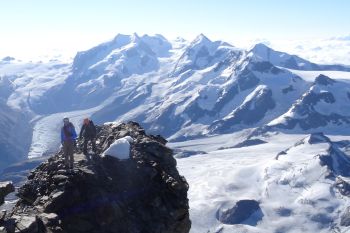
5 188
248 113
144 193
315 138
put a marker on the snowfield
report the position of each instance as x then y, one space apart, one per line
293 193
32 80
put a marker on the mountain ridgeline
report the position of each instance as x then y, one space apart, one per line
182 89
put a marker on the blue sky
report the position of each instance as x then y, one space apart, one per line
70 24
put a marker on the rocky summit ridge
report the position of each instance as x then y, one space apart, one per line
143 193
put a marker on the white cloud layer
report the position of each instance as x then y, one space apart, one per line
334 50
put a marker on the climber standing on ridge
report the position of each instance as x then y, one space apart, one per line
68 136
88 131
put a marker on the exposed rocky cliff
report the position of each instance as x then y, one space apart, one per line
5 188
143 193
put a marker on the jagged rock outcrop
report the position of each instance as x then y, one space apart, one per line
144 193
5 188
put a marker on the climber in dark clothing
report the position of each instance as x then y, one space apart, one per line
68 136
88 131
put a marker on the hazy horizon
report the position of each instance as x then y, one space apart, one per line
315 30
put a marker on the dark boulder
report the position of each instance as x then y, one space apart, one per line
284 212
243 212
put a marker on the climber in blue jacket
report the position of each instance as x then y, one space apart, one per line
68 137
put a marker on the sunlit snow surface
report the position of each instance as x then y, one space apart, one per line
293 193
31 80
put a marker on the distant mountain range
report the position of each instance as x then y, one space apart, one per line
179 89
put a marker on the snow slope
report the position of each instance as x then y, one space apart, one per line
324 107
15 135
22 85
295 192
31 81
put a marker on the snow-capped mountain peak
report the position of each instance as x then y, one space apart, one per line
282 59
262 50
201 39
207 84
